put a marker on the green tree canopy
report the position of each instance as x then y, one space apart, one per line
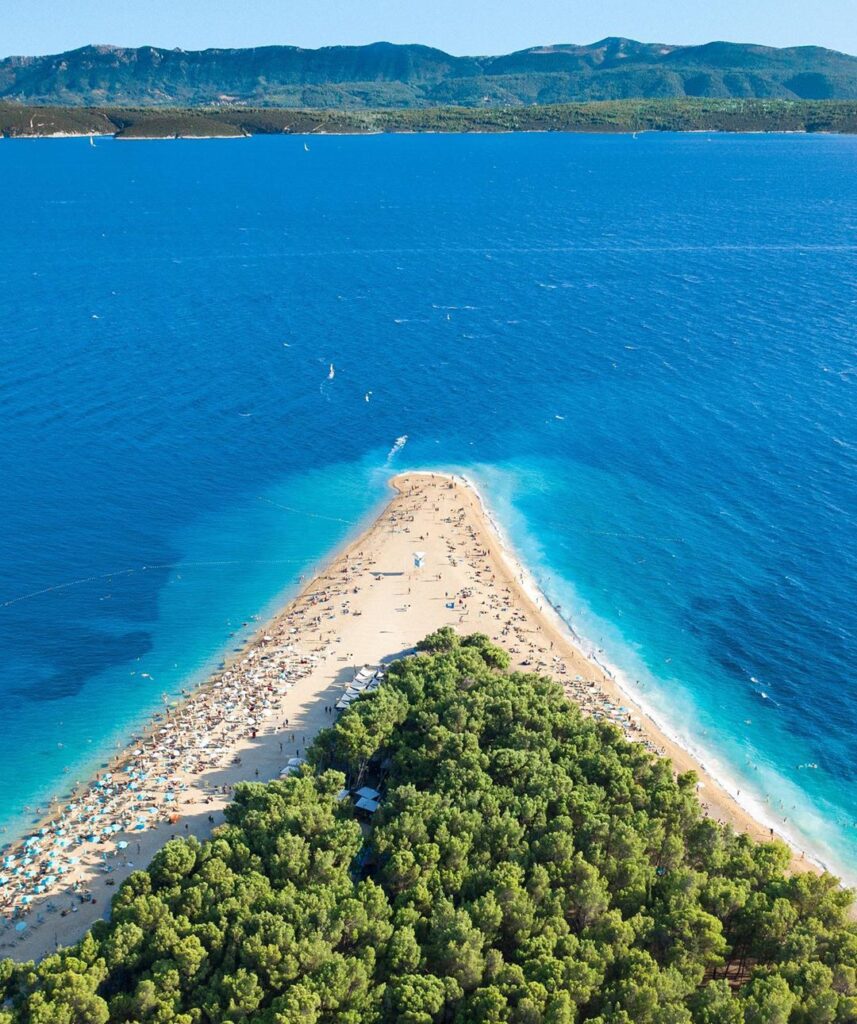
527 865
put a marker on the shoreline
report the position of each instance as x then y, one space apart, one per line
699 756
33 816
290 670
120 136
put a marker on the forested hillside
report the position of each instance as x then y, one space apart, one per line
390 75
526 865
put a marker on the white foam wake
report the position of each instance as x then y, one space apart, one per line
397 447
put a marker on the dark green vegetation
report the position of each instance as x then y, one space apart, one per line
387 75
527 865
612 116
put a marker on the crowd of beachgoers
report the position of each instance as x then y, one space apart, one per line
99 828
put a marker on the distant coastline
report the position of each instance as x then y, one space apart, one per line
609 116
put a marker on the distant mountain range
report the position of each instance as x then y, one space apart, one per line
411 76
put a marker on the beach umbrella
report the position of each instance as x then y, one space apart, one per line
122 844
20 926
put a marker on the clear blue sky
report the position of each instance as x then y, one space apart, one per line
481 27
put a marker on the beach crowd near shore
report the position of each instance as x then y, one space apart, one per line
431 558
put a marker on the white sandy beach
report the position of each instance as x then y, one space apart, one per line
367 607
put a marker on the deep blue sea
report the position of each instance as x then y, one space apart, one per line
642 349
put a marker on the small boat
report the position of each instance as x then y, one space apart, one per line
92 141
306 148
331 373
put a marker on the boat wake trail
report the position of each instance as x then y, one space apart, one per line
397 447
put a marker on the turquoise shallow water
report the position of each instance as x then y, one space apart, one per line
642 350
